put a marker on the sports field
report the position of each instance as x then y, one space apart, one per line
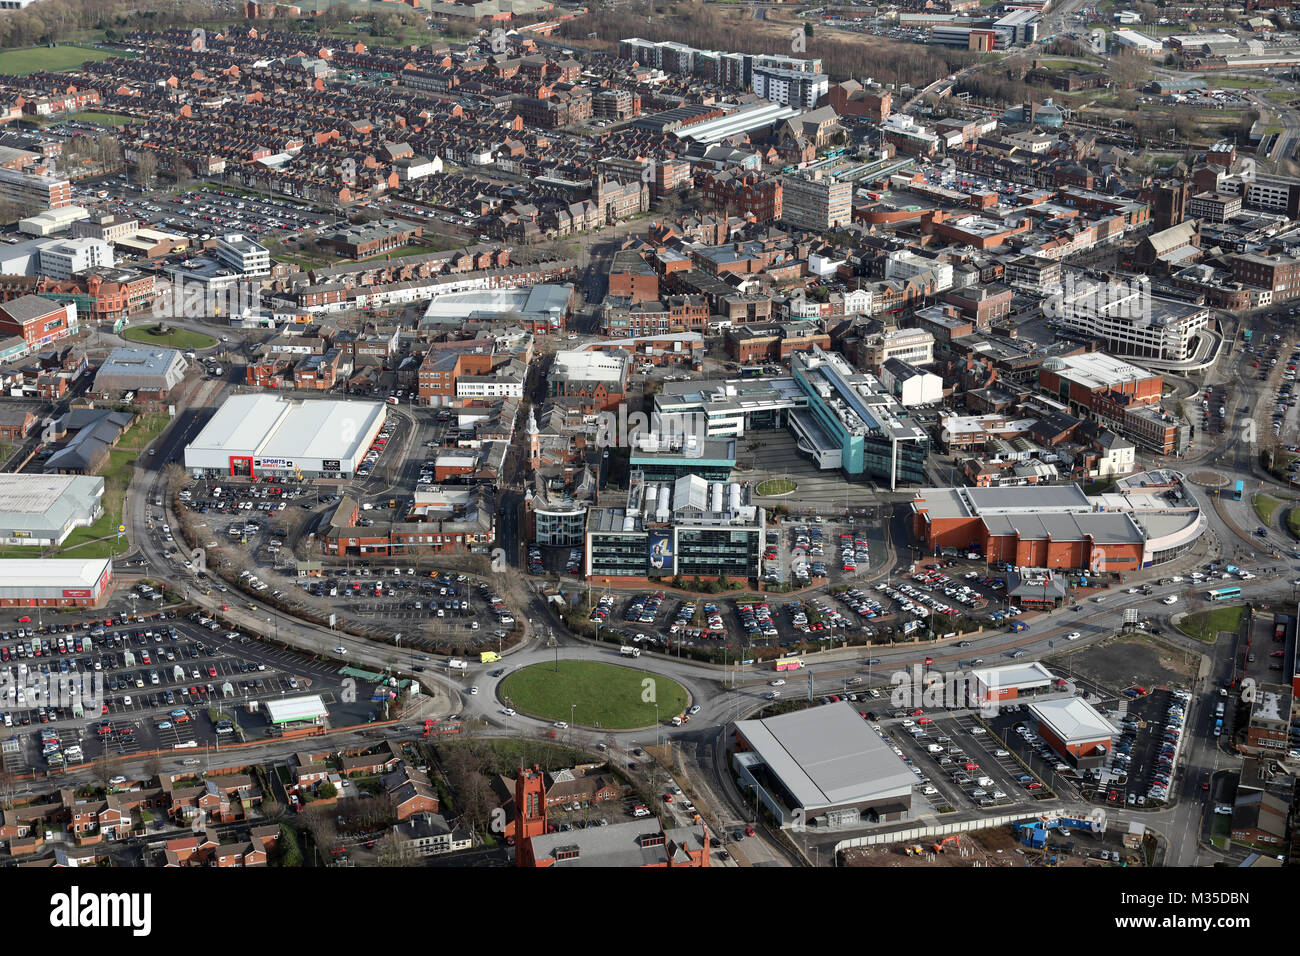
49 58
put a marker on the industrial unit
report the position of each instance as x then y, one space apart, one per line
255 435
42 510
54 582
822 762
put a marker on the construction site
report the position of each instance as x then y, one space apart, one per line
1050 840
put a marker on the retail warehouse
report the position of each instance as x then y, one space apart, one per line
54 582
42 510
252 436
823 762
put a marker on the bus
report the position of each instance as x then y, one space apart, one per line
1238 490
789 663
1222 594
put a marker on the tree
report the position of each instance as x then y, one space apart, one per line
272 809
153 766
328 791
1129 69
146 168
324 833
288 850
103 771
393 850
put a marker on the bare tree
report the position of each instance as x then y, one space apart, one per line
103 770
146 168
393 850
321 826
153 766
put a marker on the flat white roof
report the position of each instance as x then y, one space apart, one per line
1020 676
1073 720
51 572
289 709
276 427
828 756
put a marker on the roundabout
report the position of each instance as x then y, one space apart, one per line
776 487
593 694
171 338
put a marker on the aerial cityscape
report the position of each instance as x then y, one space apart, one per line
520 433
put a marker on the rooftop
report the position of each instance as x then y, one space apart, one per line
827 756
1073 720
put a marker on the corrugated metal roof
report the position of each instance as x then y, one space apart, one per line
828 756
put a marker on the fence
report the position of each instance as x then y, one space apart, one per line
942 829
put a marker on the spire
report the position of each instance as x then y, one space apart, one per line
532 423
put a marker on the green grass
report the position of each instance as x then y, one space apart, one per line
45 58
1206 625
107 119
1068 65
1234 82
1265 507
176 338
776 486
428 244
86 542
1280 96
617 698
1293 522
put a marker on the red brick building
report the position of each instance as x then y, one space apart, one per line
742 194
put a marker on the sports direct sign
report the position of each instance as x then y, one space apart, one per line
77 593
272 463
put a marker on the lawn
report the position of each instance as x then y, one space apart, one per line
1068 65
100 539
427 244
1293 522
1265 507
1206 625
776 486
176 338
606 695
50 58
106 119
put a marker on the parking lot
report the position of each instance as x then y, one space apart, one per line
207 212
1013 728
145 686
664 621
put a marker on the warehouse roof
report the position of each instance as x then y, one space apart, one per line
31 502
827 756
128 361
270 425
32 573
1073 720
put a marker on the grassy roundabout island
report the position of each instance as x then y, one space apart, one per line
775 487
172 338
616 698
